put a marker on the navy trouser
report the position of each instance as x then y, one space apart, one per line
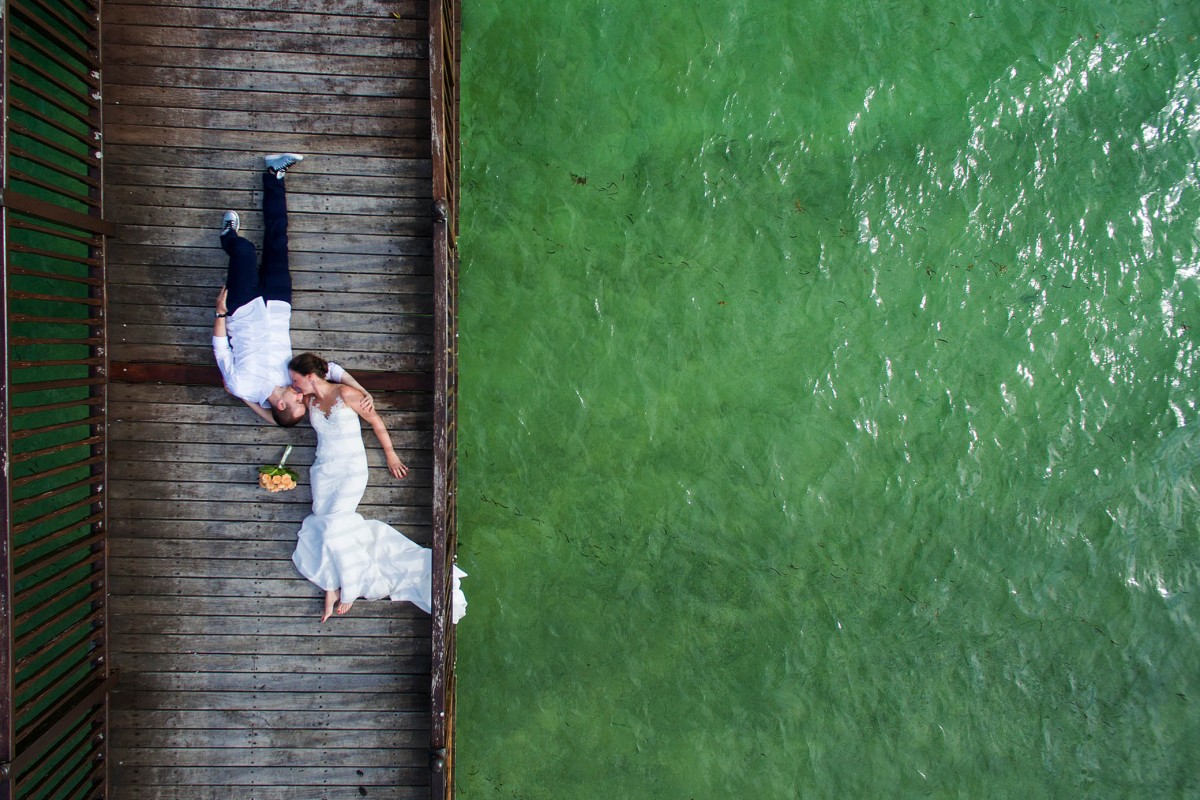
245 281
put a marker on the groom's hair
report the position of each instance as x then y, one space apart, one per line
285 419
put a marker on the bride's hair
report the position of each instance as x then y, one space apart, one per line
309 364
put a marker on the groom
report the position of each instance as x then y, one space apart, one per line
252 338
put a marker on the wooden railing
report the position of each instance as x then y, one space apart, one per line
53 660
444 16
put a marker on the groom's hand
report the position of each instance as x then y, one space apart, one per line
221 298
367 404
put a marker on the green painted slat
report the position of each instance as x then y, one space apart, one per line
53 321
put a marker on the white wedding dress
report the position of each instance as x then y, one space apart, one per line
337 547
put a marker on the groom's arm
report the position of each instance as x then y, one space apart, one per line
339 375
262 412
220 342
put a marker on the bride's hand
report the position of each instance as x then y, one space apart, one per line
396 467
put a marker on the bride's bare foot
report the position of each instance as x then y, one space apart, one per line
331 597
344 607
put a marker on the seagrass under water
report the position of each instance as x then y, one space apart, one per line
829 400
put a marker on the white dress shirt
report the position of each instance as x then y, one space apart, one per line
254 354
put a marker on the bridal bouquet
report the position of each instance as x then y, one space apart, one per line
278 478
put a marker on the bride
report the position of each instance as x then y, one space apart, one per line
340 551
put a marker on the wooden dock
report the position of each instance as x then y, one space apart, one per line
230 687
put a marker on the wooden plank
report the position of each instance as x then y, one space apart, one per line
301 340
141 256
211 165
216 719
369 235
269 508
242 486
258 701
409 62
302 282
402 621
271 122
241 651
122 315
302 239
307 301
222 80
251 141
139 472
334 773
196 749
415 9
198 354
131 98
158 205
399 362
325 35
143 604
380 23
144 431
240 791
137 528
275 681
237 589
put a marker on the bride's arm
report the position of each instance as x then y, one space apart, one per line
352 396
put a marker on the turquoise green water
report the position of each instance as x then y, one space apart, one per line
830 400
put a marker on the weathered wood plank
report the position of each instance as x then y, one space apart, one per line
150 428
415 9
138 258
274 681
409 61
253 653
137 472
409 519
334 636
244 792
252 142
311 42
302 340
271 122
197 355
252 701
302 282
303 238
312 302
335 773
398 236
238 589
249 749
214 718
243 487
152 604
379 23
413 85
163 205
136 528
222 168
122 315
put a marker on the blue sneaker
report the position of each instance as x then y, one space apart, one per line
231 223
278 163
